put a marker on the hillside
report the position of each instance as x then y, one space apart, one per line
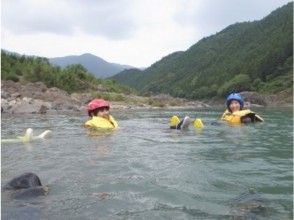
73 78
252 56
95 65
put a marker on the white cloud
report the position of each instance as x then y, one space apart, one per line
108 19
30 17
211 16
130 32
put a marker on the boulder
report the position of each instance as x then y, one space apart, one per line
36 98
10 86
254 98
43 109
4 105
27 105
24 181
26 186
4 95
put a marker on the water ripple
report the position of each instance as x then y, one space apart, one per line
144 170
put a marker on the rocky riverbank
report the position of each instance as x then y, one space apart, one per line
36 98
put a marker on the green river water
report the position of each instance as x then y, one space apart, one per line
144 170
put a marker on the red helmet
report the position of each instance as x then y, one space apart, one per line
97 103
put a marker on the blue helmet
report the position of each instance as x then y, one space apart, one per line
237 97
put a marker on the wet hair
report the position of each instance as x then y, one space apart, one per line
95 111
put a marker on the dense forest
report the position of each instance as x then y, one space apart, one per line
251 56
74 78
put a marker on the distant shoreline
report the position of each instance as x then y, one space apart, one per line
36 98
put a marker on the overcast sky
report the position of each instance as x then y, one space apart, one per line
133 32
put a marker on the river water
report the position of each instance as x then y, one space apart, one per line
144 170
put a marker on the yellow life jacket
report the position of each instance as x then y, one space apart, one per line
174 121
100 122
236 117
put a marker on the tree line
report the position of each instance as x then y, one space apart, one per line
252 56
73 78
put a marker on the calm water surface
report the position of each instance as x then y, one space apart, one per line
146 171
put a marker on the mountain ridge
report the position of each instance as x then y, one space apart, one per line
94 64
255 56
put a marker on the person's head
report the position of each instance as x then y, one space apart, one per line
98 107
235 102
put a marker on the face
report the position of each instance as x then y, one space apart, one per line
104 112
234 106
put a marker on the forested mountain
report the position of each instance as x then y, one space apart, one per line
95 65
74 78
244 56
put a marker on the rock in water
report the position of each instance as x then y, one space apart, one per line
24 181
249 206
27 185
43 109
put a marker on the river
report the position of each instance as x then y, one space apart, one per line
144 170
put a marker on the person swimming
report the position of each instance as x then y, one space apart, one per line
176 123
98 110
235 114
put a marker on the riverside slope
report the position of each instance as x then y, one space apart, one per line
256 56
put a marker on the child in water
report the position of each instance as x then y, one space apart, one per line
98 110
235 114
176 123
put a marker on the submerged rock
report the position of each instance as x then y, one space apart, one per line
27 185
249 206
31 192
24 181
